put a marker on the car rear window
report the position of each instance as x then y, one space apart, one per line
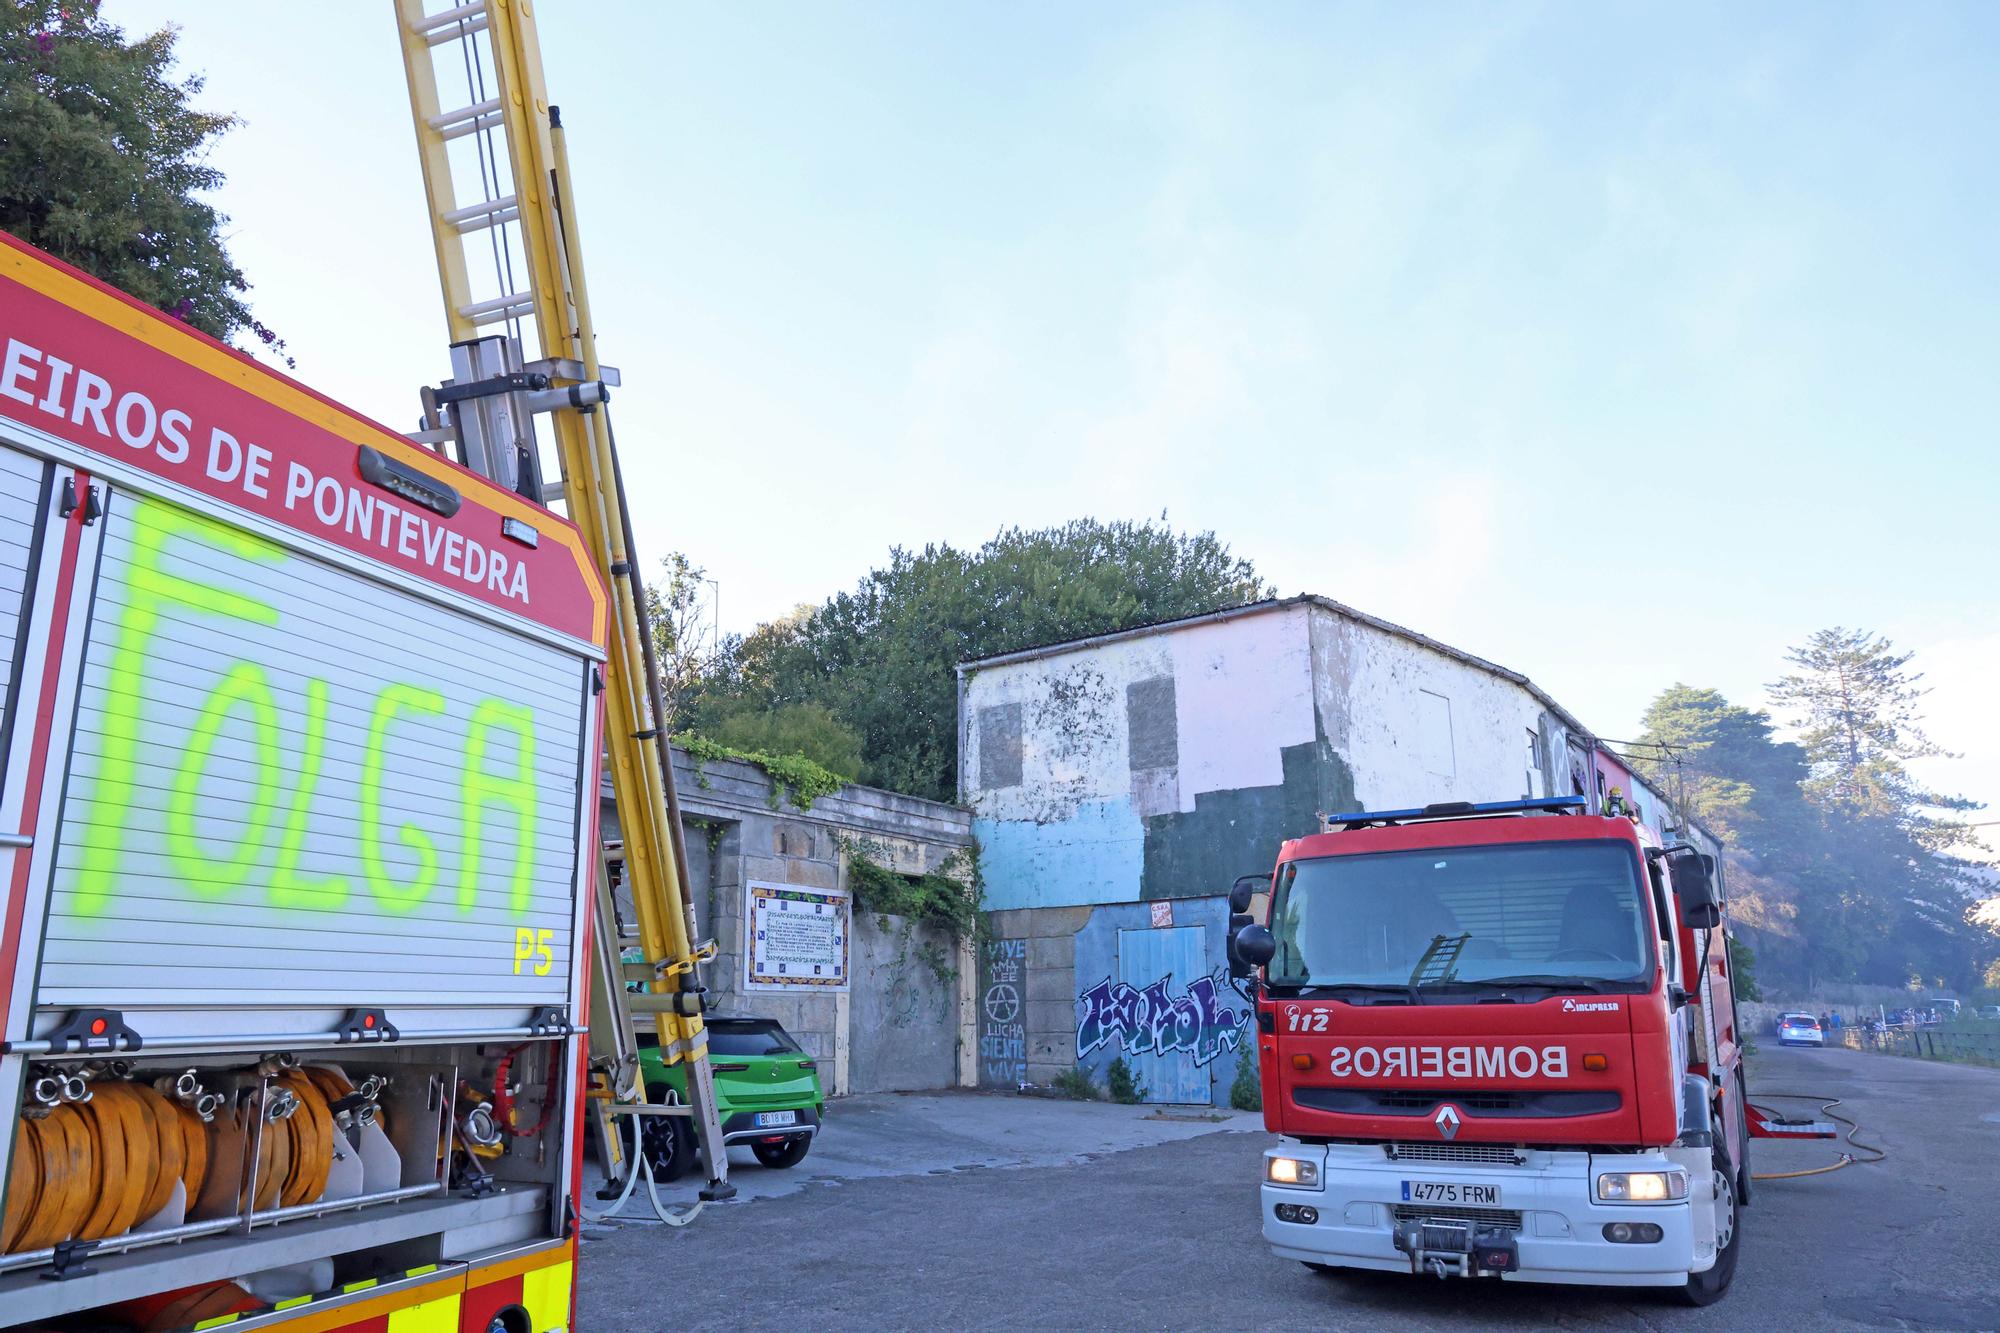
738 1038
1797 1021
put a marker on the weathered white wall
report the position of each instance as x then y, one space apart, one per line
1416 725
1164 764
1214 706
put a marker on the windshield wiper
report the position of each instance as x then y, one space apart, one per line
1334 989
1588 985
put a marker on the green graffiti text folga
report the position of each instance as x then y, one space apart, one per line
392 894
245 684
514 791
153 591
288 887
263 779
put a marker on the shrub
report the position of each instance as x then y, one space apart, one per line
1076 1085
1246 1093
1123 1087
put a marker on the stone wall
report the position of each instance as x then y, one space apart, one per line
1144 982
899 1025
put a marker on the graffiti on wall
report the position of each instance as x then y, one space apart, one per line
1154 1020
1003 1019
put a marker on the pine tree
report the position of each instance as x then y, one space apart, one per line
1887 900
1855 701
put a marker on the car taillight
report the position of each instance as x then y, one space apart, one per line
808 1064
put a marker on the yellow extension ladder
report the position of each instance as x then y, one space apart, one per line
496 172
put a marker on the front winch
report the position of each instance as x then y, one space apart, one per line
1450 1246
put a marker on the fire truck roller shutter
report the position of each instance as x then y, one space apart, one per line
292 786
21 481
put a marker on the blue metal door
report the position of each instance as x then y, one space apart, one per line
1164 962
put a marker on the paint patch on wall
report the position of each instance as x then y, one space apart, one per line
1231 833
1152 745
1094 856
1000 746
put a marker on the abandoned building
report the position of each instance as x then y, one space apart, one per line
1119 784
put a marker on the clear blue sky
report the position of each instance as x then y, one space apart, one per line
1620 344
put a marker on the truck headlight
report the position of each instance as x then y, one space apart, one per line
1292 1172
1641 1186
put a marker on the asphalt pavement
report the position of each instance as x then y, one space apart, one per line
1009 1212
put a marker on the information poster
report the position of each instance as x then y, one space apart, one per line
798 938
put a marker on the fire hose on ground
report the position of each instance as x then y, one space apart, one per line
1826 1105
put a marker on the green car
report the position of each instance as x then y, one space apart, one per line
766 1091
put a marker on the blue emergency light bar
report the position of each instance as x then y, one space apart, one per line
1554 805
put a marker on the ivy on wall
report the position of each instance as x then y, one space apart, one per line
793 776
947 898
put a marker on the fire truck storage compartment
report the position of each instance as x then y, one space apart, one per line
396 1194
292 788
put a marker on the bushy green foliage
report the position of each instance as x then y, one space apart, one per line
947 897
882 658
1743 970
793 776
103 159
1076 1084
1121 1085
1246 1093
807 729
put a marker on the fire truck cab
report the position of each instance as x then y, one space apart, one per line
1498 1040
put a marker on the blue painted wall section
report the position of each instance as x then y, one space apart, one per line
1160 998
1096 855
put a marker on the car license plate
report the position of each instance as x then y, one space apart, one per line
1451 1191
773 1119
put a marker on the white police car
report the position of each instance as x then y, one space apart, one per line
1800 1030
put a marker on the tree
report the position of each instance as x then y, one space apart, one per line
683 647
1885 898
1854 701
1743 970
1851 881
1723 764
102 160
804 729
882 658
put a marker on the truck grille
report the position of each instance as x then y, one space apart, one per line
1507 1219
1482 1154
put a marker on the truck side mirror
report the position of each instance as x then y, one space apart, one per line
1694 887
1249 949
1244 889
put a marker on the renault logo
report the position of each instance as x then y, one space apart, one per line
1447 1122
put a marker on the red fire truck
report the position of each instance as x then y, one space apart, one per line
299 757
1498 1040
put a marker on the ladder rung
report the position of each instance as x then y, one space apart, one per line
464 120
492 213
500 308
458 34
489 120
445 18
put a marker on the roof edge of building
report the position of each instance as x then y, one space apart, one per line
1338 608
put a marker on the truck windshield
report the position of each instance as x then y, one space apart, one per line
1527 914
